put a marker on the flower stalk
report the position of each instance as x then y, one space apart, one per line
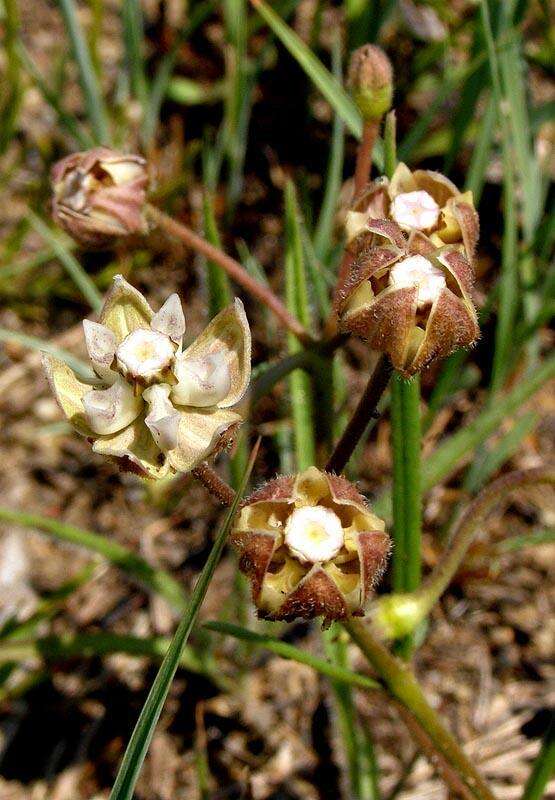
398 615
233 269
365 411
403 686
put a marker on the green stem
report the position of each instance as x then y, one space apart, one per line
403 686
407 487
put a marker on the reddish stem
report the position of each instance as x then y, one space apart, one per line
233 269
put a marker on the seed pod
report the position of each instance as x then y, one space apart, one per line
370 80
99 195
310 547
423 204
156 408
408 298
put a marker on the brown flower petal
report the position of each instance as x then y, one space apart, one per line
316 595
436 184
469 223
373 550
368 263
257 549
460 269
452 323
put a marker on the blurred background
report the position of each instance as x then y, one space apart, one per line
228 106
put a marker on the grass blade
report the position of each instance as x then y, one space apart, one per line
92 95
302 403
146 724
132 23
157 580
289 651
544 766
41 345
332 90
72 266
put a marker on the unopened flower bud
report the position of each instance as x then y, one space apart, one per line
99 195
311 547
370 80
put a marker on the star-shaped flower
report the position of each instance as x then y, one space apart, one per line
156 408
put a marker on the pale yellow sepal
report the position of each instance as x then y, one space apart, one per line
198 435
68 391
125 309
135 443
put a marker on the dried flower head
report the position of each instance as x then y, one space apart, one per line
99 195
408 298
370 80
422 203
156 408
310 546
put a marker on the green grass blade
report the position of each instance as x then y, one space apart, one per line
92 95
323 234
289 651
476 175
66 120
156 580
490 460
41 345
144 730
72 266
544 766
302 402
332 90
532 539
11 94
132 24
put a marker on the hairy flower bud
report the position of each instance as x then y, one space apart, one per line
408 298
99 195
423 204
310 547
132 413
370 80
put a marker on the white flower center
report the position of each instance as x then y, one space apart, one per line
203 381
418 271
415 210
145 354
313 534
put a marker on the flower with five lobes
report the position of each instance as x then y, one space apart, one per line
310 546
156 408
408 298
424 204
99 195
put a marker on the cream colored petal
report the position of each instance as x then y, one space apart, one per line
68 391
125 309
136 447
110 410
401 181
229 334
170 319
199 435
163 419
202 382
101 347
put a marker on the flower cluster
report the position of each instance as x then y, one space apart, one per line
408 291
99 195
156 408
310 546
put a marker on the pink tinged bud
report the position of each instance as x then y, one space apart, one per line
370 81
415 210
99 195
417 271
101 347
144 355
110 410
202 381
170 319
163 419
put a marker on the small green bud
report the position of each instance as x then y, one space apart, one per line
397 615
371 81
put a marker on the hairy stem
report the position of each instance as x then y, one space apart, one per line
403 686
233 269
215 485
363 166
399 614
364 413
